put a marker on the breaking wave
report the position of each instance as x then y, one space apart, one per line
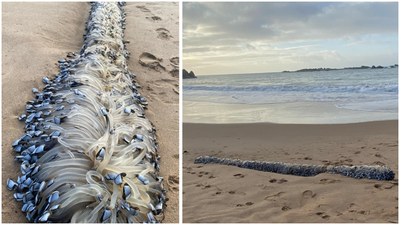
364 88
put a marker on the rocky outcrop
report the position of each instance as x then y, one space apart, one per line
188 75
346 68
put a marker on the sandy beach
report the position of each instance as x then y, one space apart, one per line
37 35
226 194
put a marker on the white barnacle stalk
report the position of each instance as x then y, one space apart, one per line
89 154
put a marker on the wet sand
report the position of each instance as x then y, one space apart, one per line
226 194
284 113
37 35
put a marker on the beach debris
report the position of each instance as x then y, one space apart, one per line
89 154
364 171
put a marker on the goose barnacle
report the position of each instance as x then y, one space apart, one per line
363 171
11 185
89 153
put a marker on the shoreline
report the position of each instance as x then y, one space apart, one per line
281 113
250 196
312 124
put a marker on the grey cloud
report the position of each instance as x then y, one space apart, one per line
249 47
320 56
239 33
282 22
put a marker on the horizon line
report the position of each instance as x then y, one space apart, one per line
281 71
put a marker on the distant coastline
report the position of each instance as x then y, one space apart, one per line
187 75
346 68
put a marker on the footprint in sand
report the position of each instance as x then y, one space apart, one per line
143 8
323 215
174 73
378 163
161 84
385 186
352 205
153 18
163 34
173 180
306 196
364 212
328 181
353 208
324 207
207 186
237 193
274 197
280 181
238 175
174 61
151 61
325 161
247 203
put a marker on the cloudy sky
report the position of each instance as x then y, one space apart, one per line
231 38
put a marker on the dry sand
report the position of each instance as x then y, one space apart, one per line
218 193
37 35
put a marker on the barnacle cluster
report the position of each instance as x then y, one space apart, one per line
89 153
364 171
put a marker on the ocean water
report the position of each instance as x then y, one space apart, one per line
341 95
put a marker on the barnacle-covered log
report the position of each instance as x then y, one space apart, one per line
89 153
364 171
